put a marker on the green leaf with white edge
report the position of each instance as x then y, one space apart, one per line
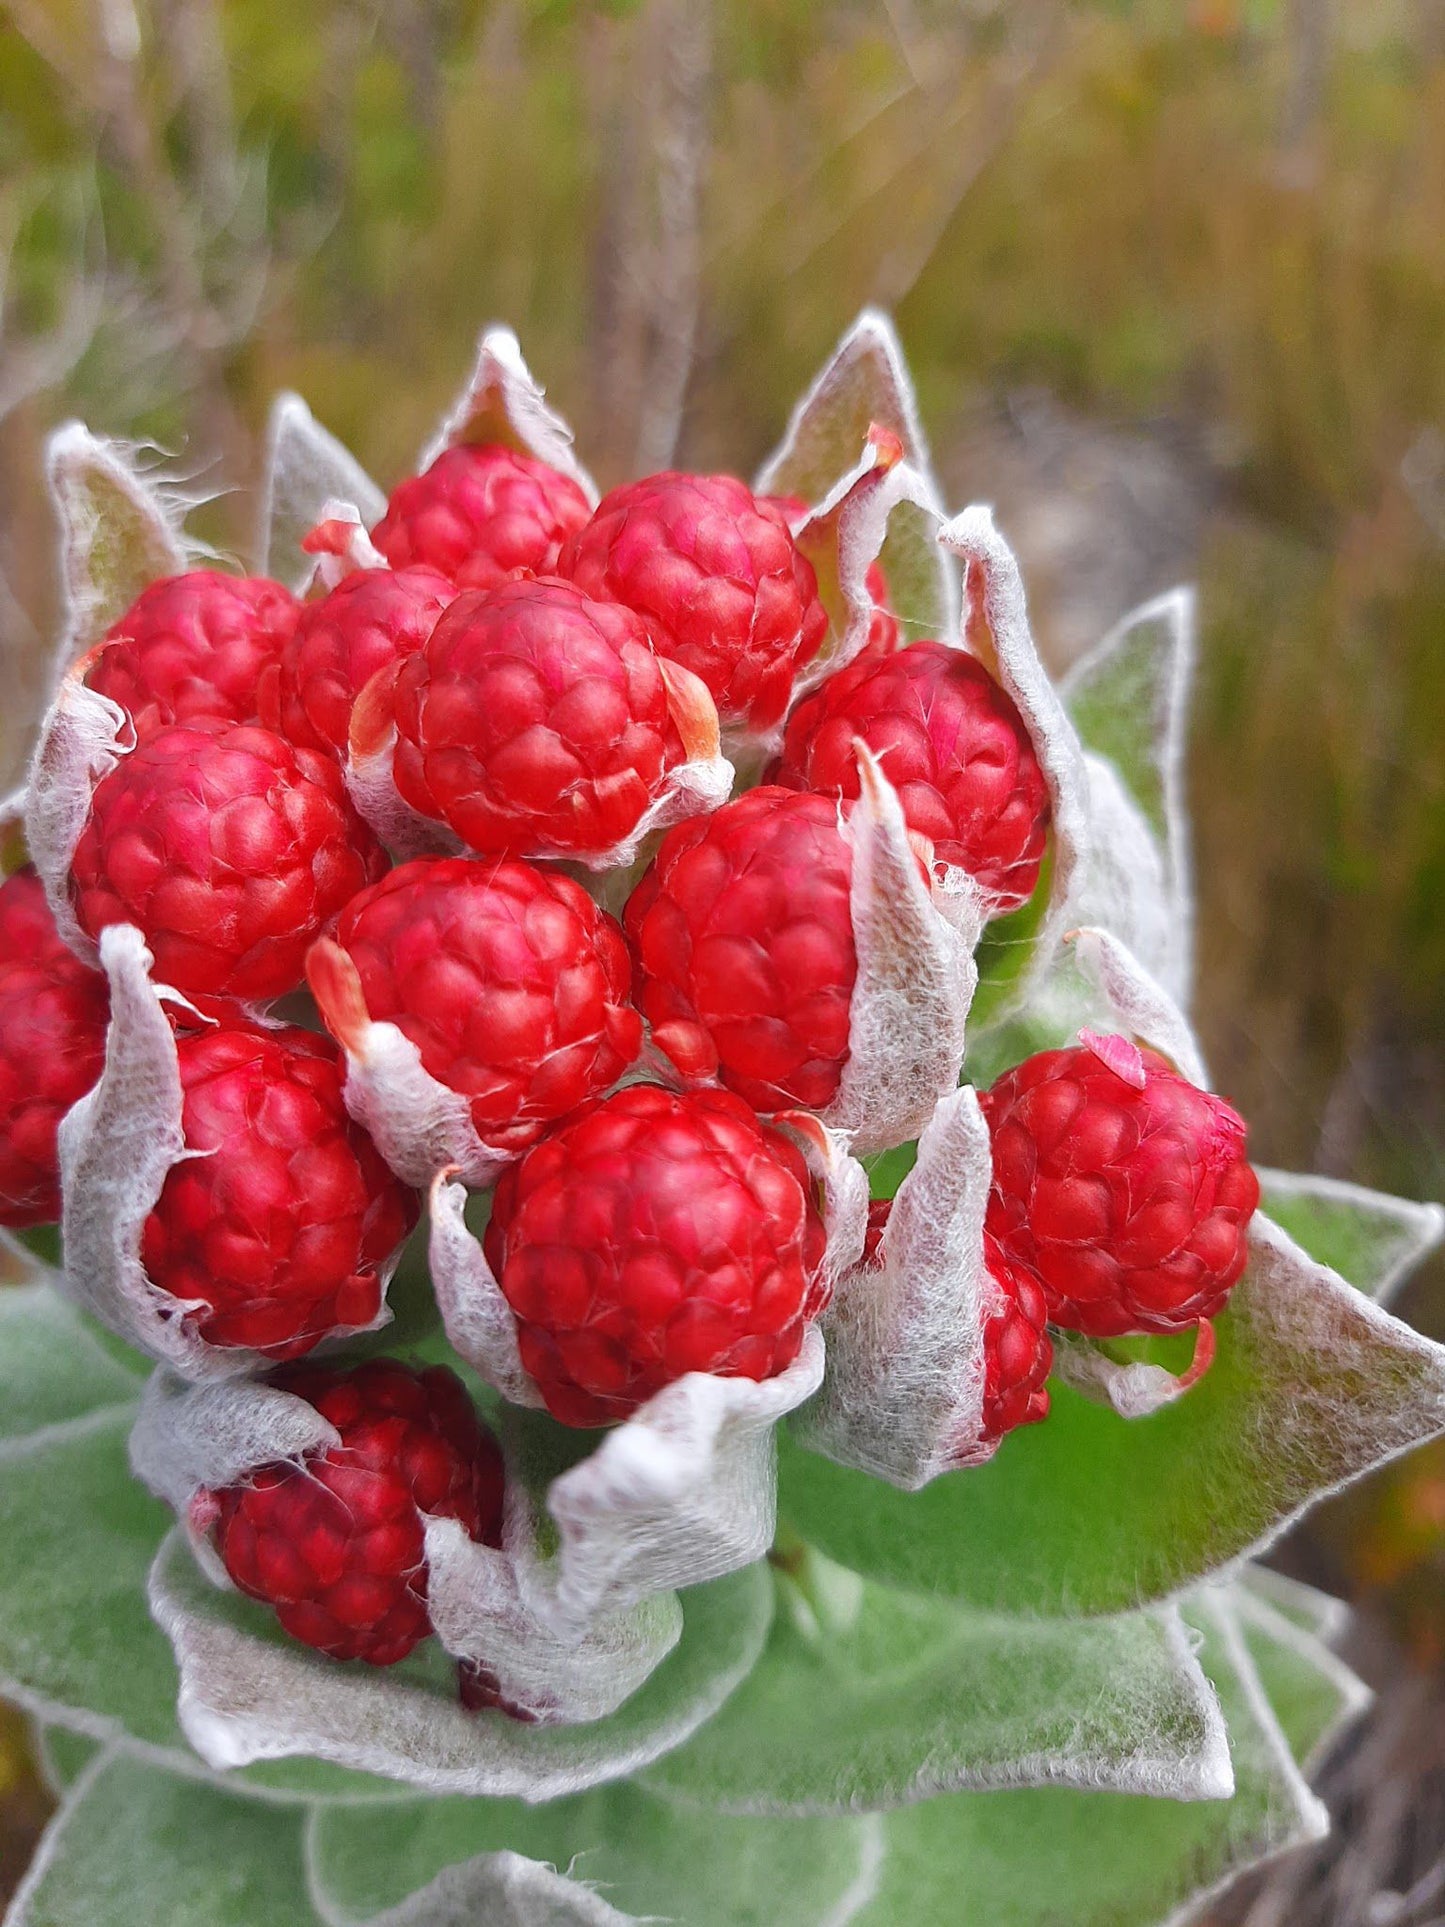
645 1856
1049 1858
1312 1385
866 382
869 1698
1129 701
131 1844
1319 1613
76 1639
78 1645
1313 1692
119 531
249 1693
1006 950
52 1370
306 467
1372 1239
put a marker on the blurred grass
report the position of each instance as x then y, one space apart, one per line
1204 245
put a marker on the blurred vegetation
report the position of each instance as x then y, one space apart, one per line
1172 279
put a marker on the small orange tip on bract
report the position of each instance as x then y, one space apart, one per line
336 986
886 445
690 704
331 537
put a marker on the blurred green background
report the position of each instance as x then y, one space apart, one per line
1172 279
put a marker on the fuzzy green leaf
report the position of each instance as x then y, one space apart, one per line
1038 1858
1128 699
1093 1513
644 1856
1369 1237
866 382
63 1755
132 1844
305 468
119 532
1313 1693
76 1637
869 1698
52 1369
1049 1858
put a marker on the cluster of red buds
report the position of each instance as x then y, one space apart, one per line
623 859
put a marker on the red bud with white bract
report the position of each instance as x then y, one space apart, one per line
335 1542
280 1225
371 1509
221 1209
802 961
536 722
478 1003
952 744
654 1235
1123 1188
